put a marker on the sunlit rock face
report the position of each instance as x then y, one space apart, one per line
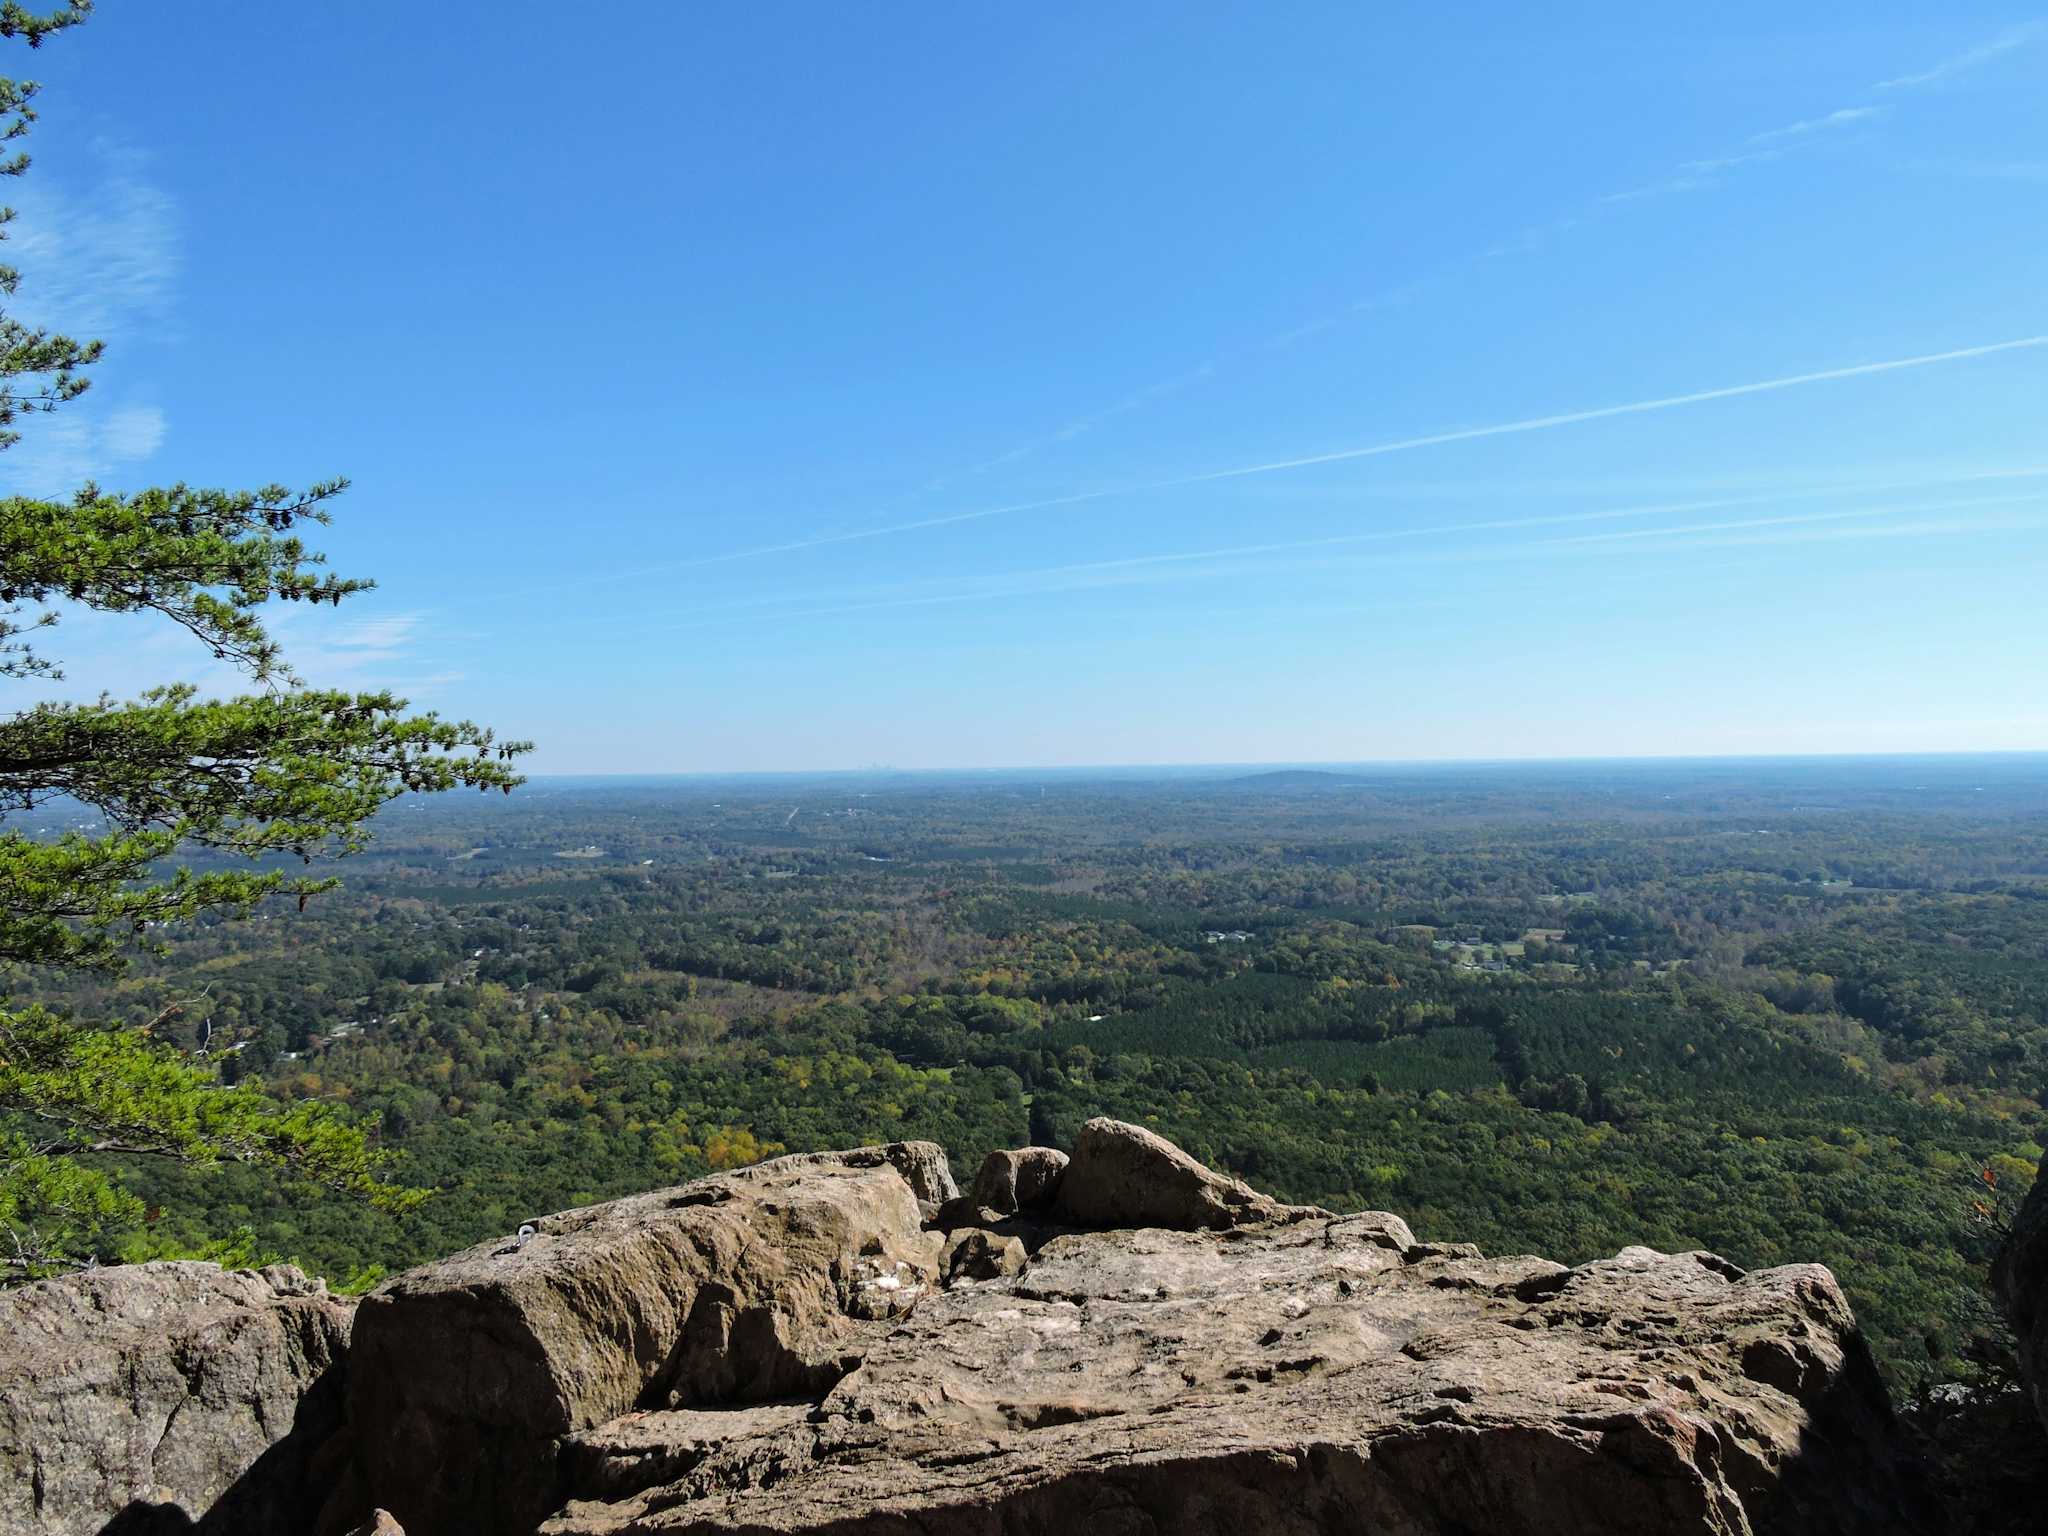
1137 1345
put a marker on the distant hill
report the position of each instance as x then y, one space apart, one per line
1296 778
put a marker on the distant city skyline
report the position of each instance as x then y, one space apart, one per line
750 388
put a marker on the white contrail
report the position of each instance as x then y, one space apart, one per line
1605 412
1340 456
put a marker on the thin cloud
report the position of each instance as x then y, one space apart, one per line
1772 144
1868 524
1937 528
1852 515
92 262
1840 118
1730 162
1238 559
1608 412
59 453
2030 171
1081 426
2022 36
1339 456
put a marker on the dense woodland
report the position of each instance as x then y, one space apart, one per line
1783 1011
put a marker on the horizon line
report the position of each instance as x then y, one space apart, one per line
1949 754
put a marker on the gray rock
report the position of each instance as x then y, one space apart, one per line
764 1283
2019 1278
1027 1179
1125 1176
173 1393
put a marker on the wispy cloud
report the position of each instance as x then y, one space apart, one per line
1244 559
1524 425
1695 175
1837 531
59 453
1729 162
1842 117
1983 170
1854 514
1608 412
392 650
1759 149
2021 36
1240 566
1083 425
1388 298
97 260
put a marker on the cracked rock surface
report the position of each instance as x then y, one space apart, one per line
175 1393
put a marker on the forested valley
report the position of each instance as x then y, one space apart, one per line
1780 1010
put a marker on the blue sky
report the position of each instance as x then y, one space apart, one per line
770 386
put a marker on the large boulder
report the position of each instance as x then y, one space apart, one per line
1123 1175
470 1373
167 1396
798 1348
2020 1280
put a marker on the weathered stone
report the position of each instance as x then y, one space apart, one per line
380 1523
1301 1375
974 1254
2020 1280
741 1287
168 1394
1027 1179
1125 1176
925 1169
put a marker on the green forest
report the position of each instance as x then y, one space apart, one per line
1781 1012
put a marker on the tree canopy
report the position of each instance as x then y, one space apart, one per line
257 787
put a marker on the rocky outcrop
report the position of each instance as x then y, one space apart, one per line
2020 1280
840 1343
469 1374
167 1396
1155 1349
